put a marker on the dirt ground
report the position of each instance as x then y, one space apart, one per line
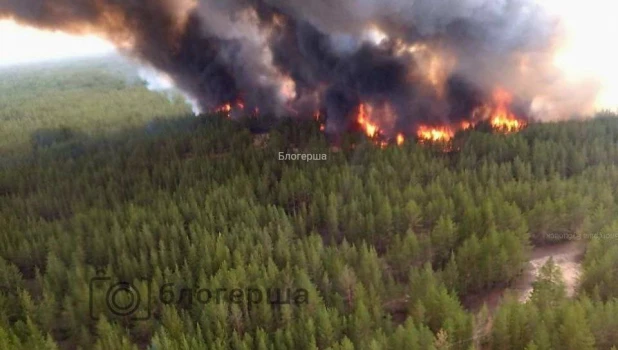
567 256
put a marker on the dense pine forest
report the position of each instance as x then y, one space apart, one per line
101 177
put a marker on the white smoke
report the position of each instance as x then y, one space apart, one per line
163 83
156 81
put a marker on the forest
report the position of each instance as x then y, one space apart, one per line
101 177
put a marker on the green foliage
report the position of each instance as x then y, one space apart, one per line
99 173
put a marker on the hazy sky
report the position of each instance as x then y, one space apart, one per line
20 44
590 51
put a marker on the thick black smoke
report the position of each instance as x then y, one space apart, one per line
299 56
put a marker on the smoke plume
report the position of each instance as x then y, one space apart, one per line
411 62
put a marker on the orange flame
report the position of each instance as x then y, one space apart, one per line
504 122
318 117
502 119
400 139
435 134
364 112
226 108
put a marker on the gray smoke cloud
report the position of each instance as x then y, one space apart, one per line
426 61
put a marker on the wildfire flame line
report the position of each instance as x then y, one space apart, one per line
435 134
497 113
